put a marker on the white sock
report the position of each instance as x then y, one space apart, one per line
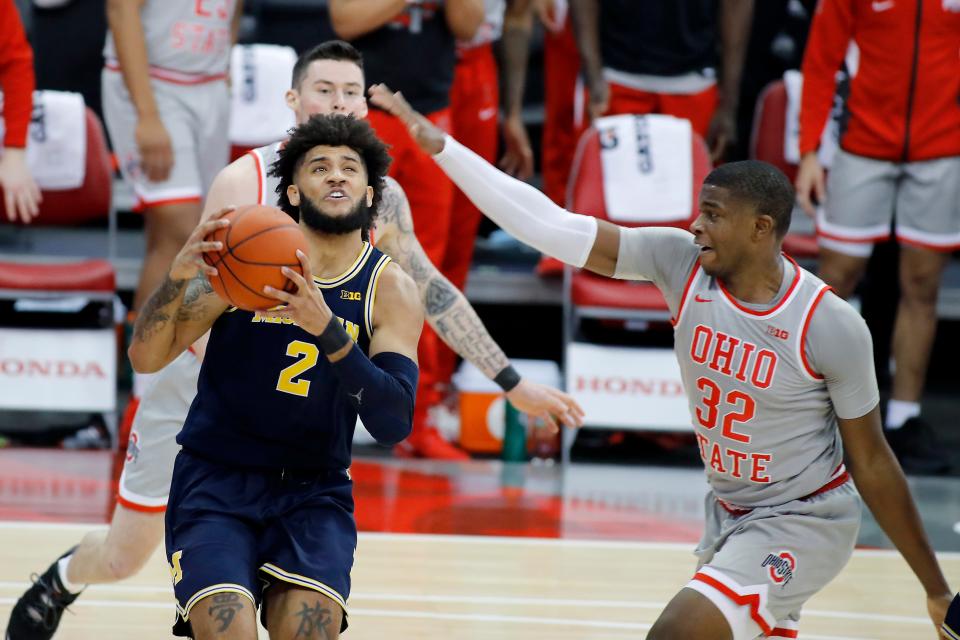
62 565
899 411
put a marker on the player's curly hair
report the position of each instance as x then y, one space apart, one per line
334 131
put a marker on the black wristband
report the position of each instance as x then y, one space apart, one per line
334 337
508 378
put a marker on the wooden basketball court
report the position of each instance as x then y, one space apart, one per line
440 586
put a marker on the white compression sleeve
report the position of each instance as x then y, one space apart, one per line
518 208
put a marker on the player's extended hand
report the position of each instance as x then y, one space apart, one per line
21 196
306 305
189 262
428 135
810 181
156 150
546 402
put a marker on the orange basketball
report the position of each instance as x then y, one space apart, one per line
258 241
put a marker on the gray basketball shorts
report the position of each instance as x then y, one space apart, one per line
152 448
760 568
864 196
196 117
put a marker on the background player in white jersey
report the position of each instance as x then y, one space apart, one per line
328 79
780 378
166 105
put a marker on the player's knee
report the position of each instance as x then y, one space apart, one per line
843 277
670 627
127 563
675 626
300 613
919 288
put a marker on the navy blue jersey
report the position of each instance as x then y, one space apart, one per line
268 396
658 38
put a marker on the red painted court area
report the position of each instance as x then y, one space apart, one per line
474 498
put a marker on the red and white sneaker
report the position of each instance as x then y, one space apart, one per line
427 442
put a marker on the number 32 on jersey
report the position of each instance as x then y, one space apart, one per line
728 412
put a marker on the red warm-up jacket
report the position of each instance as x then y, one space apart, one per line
904 102
16 76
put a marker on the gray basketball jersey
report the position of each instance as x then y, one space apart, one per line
189 37
763 414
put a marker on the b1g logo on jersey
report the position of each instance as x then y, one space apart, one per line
781 567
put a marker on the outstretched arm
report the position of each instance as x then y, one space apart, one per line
455 321
518 208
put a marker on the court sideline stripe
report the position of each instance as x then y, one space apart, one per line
432 615
481 540
520 600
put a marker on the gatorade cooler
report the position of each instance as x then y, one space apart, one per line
482 403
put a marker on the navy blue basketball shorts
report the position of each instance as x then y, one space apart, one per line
242 530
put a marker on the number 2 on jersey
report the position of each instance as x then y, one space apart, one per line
737 412
308 354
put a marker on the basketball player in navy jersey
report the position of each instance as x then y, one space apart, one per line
261 507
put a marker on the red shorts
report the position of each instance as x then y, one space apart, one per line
698 108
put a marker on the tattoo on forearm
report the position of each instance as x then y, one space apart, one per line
440 296
448 311
224 609
193 307
315 621
152 318
462 329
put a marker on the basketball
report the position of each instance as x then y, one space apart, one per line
257 243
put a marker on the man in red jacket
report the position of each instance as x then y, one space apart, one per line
899 159
20 193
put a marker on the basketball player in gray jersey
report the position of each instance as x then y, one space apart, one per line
779 375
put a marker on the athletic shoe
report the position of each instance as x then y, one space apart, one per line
36 615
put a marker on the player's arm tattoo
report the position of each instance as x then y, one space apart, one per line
155 314
315 622
224 609
194 300
447 310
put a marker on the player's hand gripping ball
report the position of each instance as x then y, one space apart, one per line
257 243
